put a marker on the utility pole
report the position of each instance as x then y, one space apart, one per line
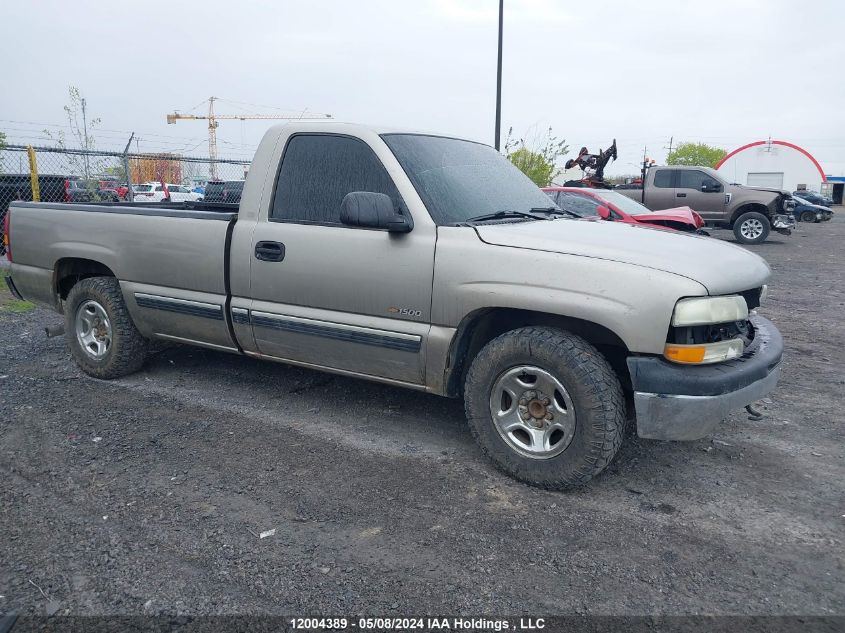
645 168
671 138
85 136
130 194
499 78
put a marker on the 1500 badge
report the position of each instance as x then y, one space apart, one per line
405 311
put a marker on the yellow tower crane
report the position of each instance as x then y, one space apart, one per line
212 119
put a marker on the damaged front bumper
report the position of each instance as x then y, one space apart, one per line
682 402
783 224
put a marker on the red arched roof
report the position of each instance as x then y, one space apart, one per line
784 143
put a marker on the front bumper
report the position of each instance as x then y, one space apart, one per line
682 402
783 224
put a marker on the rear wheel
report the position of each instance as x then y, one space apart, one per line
545 406
752 228
808 216
102 337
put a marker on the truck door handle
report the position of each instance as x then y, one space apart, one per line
270 251
681 195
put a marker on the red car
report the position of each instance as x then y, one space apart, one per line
611 205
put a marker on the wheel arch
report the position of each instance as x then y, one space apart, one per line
481 326
68 271
749 207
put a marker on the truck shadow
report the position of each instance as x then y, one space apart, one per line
410 420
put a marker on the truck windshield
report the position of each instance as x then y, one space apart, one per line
458 179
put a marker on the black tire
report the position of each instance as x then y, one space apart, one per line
127 350
593 390
747 221
808 216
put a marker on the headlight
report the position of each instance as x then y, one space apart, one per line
708 310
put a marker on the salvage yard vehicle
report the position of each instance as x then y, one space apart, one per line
425 262
806 211
751 212
813 198
614 207
155 192
224 191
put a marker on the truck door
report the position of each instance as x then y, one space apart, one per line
702 193
661 195
330 295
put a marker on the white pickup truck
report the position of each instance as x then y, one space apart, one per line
427 262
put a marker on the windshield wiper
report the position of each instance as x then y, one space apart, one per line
499 215
554 210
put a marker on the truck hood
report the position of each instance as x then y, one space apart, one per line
780 192
720 267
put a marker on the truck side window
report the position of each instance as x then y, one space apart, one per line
663 178
318 170
694 179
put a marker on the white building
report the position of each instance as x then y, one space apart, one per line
776 164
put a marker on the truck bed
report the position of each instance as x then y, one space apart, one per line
176 251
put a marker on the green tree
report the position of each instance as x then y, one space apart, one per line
695 154
539 160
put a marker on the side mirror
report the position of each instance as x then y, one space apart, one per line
603 211
713 187
366 209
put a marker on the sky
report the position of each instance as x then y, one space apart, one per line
723 72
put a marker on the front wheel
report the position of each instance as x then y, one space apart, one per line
102 337
752 228
808 216
545 406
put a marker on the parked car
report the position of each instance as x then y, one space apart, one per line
232 191
613 206
224 191
814 198
113 184
751 212
52 188
19 187
213 191
806 211
78 190
425 262
154 192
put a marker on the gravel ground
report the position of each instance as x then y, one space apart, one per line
148 494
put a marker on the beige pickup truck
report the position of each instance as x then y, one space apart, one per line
751 212
426 262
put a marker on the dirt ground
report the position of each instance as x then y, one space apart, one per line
149 494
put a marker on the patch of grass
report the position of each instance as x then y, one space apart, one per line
9 304
16 306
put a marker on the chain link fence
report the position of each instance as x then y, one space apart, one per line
52 174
